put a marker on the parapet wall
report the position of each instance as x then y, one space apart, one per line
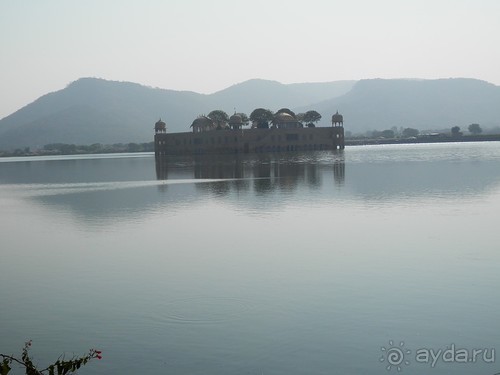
250 141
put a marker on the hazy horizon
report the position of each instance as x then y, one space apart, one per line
206 47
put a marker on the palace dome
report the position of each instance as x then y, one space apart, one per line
235 120
202 121
285 117
337 117
160 125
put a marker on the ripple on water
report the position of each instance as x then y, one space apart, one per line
204 310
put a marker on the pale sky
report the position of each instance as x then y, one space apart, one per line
205 46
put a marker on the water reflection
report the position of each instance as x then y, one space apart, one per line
297 263
339 171
123 188
267 172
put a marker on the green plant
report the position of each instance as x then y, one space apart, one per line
59 367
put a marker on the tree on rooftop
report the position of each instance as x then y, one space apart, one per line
311 117
219 117
261 117
244 118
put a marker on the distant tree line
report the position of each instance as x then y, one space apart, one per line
409 133
97 148
72 149
391 133
474 129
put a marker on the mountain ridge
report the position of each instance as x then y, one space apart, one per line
422 104
93 110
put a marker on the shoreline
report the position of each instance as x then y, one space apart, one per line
423 139
348 142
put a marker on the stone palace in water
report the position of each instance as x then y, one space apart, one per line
285 134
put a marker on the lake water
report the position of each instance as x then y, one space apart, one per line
315 263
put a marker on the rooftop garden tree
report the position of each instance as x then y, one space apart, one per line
219 117
244 118
261 117
311 117
300 117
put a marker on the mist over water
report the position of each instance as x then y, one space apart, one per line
253 264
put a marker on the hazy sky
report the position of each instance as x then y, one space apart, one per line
208 45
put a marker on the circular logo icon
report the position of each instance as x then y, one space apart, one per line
395 356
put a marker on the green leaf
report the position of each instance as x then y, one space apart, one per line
5 368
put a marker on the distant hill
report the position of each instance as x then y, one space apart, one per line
93 110
421 104
255 93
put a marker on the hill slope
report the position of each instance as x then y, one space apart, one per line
421 104
255 93
98 111
94 110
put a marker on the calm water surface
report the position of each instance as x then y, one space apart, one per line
265 264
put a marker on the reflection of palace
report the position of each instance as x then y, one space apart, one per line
161 168
265 172
286 134
339 172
